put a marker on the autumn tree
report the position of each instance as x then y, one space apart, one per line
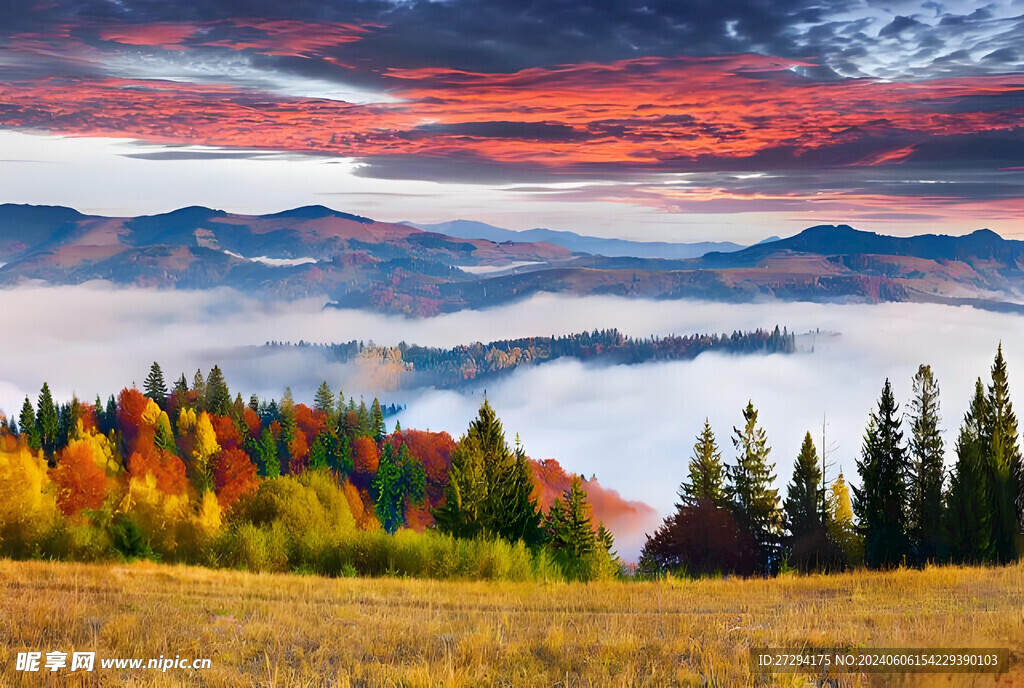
842 530
155 387
881 501
754 501
927 452
234 476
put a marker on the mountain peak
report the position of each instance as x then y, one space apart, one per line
315 212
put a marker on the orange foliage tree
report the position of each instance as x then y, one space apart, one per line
81 478
234 476
365 456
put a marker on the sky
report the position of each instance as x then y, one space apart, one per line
667 120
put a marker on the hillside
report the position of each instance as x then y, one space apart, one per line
357 262
470 229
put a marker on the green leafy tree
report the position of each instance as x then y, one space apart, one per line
1004 459
27 422
218 396
154 386
754 501
927 452
967 521
46 420
881 501
706 473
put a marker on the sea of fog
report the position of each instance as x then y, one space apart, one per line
632 426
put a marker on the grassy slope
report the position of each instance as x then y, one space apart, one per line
287 630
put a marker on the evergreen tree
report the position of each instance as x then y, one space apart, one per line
199 390
254 403
927 452
340 456
218 396
377 427
967 520
1004 464
324 399
287 401
154 386
490 486
571 535
318 452
27 421
707 474
400 478
268 462
803 516
364 425
46 420
753 500
881 501
110 415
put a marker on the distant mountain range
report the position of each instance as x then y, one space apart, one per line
470 229
394 267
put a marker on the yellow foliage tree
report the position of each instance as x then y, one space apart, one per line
27 504
840 523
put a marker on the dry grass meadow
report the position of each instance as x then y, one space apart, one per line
290 630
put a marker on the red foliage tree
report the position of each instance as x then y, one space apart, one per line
298 449
311 422
226 432
81 482
168 469
131 404
234 476
252 421
365 456
434 450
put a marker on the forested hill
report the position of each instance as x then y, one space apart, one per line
408 366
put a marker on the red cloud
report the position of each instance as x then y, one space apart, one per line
650 113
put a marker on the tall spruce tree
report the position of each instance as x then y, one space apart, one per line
199 389
377 427
27 422
754 501
881 500
706 473
324 399
1004 459
218 396
154 386
46 420
927 453
489 488
967 521
802 507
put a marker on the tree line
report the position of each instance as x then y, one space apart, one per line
907 510
460 365
190 472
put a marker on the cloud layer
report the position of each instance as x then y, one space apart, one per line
633 426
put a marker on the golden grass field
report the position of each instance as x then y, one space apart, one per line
290 630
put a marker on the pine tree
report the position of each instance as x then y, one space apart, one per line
110 415
254 403
377 427
881 501
927 452
490 486
154 386
754 501
967 520
199 389
46 420
803 516
318 452
324 399
267 453
1004 464
218 396
364 426
581 553
27 421
181 388
706 474
287 401
400 477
